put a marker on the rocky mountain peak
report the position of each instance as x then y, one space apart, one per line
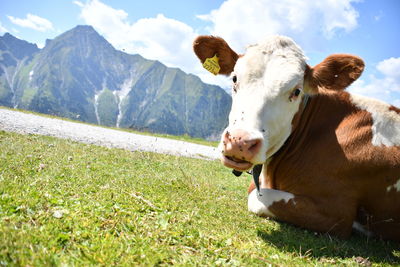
17 47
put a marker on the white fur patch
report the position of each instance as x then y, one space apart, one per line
395 186
386 123
260 204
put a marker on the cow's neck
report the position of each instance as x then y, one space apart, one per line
322 113
297 119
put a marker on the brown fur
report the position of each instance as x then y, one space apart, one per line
335 72
395 109
331 166
329 162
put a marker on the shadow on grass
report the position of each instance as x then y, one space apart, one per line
305 243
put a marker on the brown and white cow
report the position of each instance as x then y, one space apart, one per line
331 163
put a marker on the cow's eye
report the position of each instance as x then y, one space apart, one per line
234 78
295 93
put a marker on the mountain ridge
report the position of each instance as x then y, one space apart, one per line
80 75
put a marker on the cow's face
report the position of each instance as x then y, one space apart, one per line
267 88
267 82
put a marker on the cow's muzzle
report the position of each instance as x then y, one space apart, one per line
239 149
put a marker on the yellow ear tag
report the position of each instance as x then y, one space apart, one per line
211 64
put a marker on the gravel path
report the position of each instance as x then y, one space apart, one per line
15 121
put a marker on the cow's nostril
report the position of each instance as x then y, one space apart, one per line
254 146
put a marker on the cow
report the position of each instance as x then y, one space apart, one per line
330 159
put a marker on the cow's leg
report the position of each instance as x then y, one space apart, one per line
324 216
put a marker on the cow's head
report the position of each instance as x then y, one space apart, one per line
269 81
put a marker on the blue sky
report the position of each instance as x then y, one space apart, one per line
164 30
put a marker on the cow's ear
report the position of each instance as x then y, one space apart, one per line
207 47
336 72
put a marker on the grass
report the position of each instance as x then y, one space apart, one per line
65 203
185 138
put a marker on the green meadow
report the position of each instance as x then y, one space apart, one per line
64 203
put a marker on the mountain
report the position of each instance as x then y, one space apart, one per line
14 54
79 75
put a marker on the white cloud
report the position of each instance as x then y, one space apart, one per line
242 22
159 38
108 20
32 21
390 67
164 39
387 87
2 29
40 45
78 3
